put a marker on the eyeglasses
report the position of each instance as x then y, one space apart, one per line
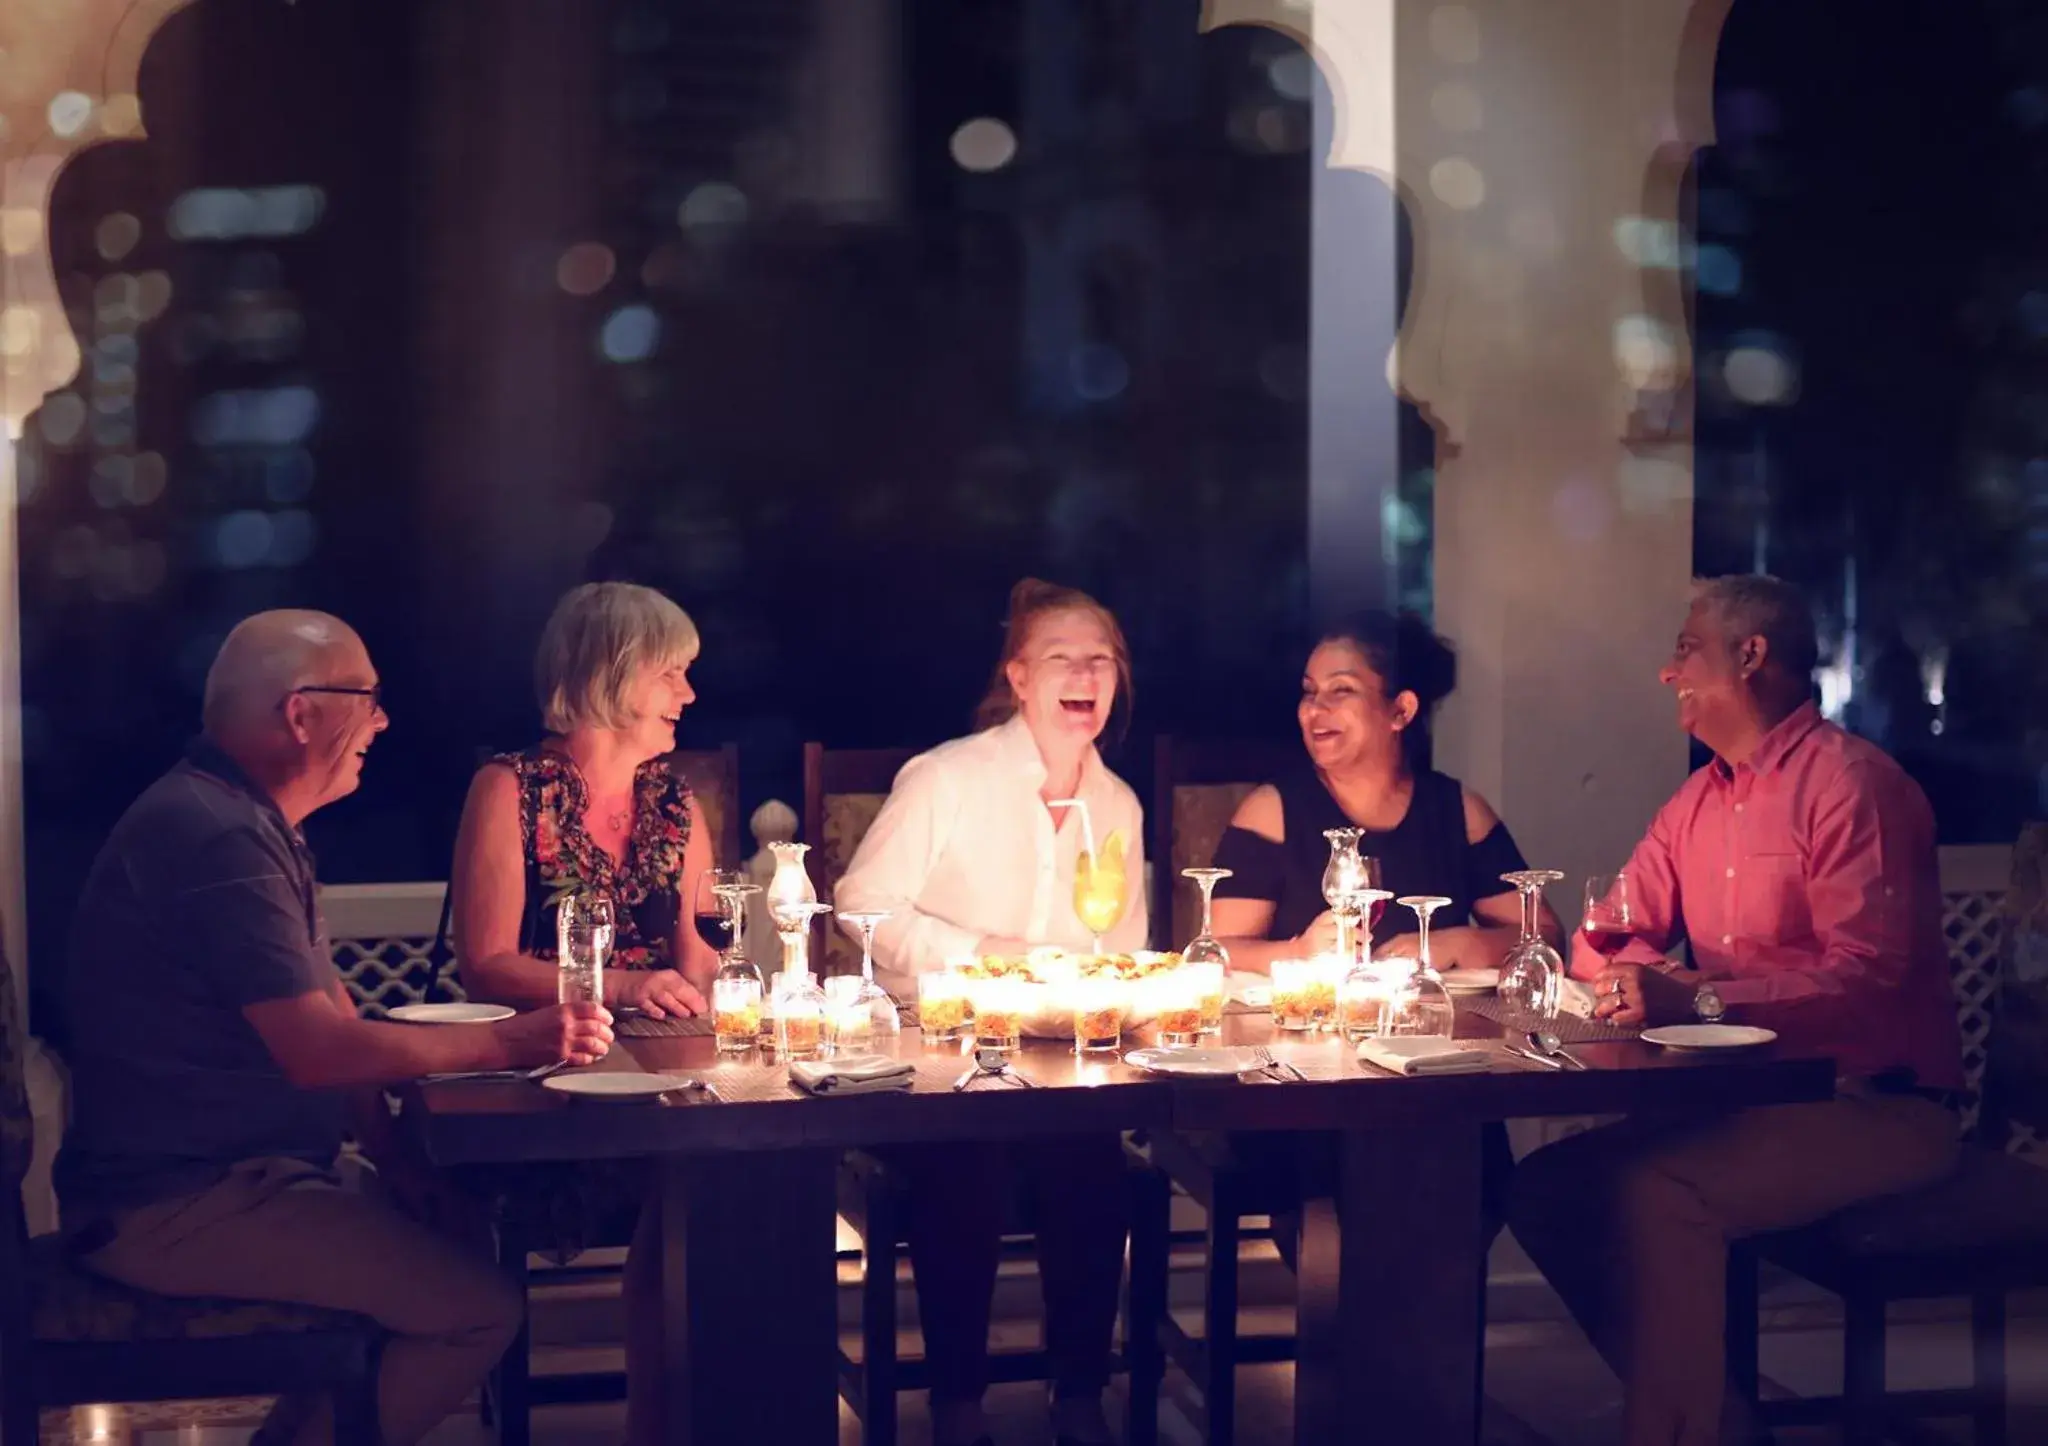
375 692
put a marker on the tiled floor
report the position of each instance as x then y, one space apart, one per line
1545 1388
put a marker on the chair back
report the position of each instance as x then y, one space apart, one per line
714 777
1197 786
389 941
844 788
2016 1072
1974 882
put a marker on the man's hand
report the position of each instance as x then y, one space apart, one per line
1637 994
1320 937
561 1033
656 993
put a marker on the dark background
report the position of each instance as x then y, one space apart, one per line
838 434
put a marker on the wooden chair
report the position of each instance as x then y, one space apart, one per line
1978 1234
513 1392
1196 787
843 791
714 775
844 788
68 1337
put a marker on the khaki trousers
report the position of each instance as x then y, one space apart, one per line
282 1230
1631 1225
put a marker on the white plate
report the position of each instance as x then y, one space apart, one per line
1220 1062
1709 1036
615 1085
1472 981
449 1013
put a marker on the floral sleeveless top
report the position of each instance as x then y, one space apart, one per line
562 858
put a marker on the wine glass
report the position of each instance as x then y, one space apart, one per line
1532 974
1424 905
1417 1002
871 999
1205 947
733 897
1609 921
712 909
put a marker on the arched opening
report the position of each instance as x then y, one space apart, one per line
1868 318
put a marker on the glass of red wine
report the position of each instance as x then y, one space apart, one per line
715 907
1610 919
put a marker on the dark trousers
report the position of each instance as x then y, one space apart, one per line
960 1206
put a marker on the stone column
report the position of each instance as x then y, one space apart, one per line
1522 138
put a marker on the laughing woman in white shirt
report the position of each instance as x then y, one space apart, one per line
968 856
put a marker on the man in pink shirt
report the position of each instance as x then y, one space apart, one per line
1799 868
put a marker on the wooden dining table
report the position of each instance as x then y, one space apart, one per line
1391 1306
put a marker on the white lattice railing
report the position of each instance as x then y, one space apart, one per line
382 936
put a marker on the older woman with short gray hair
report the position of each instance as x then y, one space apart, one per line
593 807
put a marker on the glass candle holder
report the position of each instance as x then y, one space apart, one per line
1100 1008
1362 1002
849 1027
799 1016
736 1014
999 1008
942 1006
1326 973
1295 985
1177 1005
1208 982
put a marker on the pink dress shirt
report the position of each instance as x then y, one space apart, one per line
1805 881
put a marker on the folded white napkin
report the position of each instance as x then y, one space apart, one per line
854 1074
1424 1056
1575 998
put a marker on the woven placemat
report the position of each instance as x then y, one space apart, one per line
1567 1027
639 1026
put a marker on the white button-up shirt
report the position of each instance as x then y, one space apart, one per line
965 848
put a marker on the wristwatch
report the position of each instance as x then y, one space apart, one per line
1706 1003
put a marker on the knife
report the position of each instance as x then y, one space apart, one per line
1543 1059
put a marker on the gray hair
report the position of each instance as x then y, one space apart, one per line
1755 604
598 637
262 659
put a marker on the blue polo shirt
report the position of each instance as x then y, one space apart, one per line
201 903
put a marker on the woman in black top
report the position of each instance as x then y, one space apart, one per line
1366 698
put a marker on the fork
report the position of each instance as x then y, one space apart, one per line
1268 1064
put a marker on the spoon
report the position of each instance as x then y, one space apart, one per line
1546 1043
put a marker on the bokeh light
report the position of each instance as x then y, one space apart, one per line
1458 183
630 334
983 144
116 235
713 205
585 268
1292 74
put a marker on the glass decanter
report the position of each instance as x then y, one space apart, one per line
799 1000
1346 879
1532 974
1418 1004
